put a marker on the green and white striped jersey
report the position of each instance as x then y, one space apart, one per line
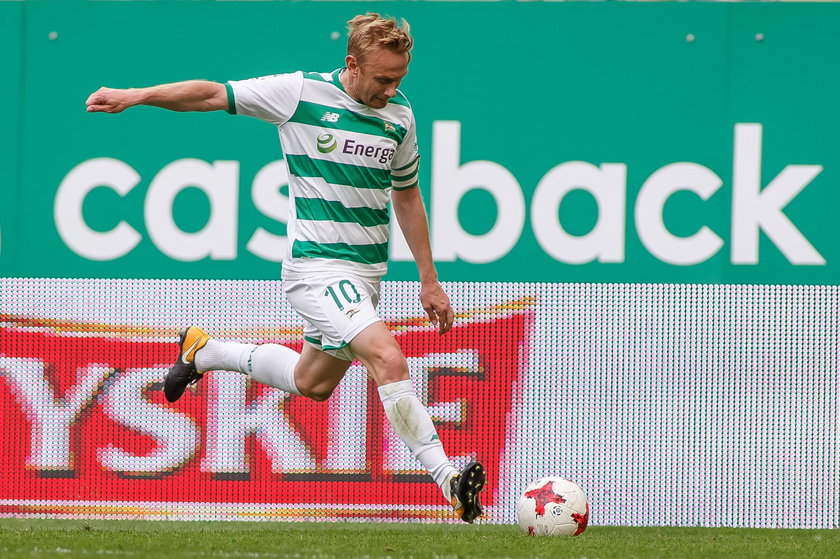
343 158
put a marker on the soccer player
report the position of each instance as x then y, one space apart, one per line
349 139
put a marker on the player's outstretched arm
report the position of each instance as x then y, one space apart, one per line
411 215
194 95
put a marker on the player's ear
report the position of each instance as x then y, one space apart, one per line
352 63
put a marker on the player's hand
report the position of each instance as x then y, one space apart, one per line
435 302
107 100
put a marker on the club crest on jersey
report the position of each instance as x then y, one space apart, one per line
326 143
389 127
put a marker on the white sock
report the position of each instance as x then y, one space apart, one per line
270 364
411 421
222 356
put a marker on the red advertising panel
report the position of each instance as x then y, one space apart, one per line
86 429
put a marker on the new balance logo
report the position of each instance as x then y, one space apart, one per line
329 117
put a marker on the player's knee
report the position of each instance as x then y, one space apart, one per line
319 393
391 366
318 396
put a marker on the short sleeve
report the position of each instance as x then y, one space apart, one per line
270 98
405 165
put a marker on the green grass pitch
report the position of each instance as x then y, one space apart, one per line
78 538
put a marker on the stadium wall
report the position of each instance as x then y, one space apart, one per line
635 224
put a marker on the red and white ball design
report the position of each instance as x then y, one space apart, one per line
553 506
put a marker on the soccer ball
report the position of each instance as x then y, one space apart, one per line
553 506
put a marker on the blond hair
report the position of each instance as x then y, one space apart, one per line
371 31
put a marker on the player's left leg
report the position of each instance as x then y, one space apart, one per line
377 349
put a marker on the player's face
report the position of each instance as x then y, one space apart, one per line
377 77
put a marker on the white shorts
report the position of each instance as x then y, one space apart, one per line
336 307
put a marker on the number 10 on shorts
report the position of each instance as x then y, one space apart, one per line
343 291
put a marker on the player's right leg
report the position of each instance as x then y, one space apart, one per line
312 373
